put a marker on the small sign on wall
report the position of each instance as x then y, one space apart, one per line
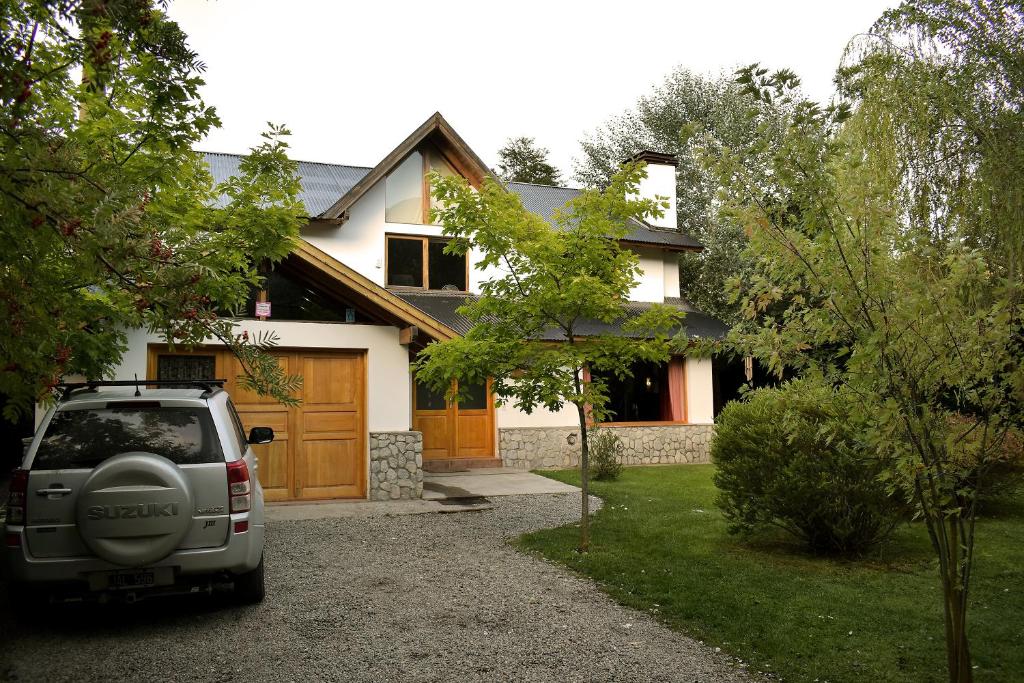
262 309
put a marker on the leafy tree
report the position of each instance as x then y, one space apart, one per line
667 121
887 253
110 220
526 323
521 161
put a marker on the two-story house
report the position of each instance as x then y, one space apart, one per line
370 285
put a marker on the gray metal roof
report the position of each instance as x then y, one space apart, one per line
443 307
543 200
322 184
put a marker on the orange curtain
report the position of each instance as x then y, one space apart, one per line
672 396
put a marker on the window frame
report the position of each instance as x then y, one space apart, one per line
425 241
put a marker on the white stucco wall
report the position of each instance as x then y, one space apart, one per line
508 416
651 286
661 181
700 392
388 390
670 272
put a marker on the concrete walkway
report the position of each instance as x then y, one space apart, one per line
487 483
442 493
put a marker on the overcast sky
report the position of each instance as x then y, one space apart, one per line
353 79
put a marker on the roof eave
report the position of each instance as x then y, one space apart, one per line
367 288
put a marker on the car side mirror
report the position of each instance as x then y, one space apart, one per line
258 435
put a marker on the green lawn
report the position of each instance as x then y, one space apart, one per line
660 544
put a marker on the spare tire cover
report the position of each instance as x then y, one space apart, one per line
134 509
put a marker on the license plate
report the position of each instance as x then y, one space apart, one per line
132 579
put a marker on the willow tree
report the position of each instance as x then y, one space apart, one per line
888 253
109 219
549 280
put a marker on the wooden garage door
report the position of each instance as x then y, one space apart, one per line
319 448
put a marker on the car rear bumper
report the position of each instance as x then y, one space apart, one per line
240 554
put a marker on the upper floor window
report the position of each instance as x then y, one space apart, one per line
406 190
294 299
421 262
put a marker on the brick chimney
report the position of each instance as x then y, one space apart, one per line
660 182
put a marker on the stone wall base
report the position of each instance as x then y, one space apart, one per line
531 448
396 466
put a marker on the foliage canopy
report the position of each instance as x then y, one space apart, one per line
110 220
522 161
887 252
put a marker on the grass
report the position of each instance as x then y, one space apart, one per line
659 544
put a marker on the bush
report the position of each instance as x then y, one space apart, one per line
605 450
789 457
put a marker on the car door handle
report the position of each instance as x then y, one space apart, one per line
52 492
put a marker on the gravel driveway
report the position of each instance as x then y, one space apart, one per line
435 597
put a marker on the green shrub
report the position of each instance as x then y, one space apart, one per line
790 457
605 450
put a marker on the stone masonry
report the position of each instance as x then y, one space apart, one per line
396 465
529 448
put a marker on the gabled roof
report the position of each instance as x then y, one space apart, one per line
544 200
435 130
322 184
443 307
328 190
335 273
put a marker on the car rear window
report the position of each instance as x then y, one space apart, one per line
85 438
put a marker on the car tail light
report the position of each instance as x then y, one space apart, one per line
13 540
239 486
242 527
17 497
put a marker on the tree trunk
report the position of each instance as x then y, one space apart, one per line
958 653
584 481
954 588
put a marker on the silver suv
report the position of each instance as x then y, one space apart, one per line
134 492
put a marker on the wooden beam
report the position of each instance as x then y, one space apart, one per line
407 335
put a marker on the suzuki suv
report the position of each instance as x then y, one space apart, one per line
134 492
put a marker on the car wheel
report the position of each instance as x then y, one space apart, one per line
249 589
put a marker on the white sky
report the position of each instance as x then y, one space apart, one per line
353 79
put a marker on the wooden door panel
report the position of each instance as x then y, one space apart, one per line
332 468
437 434
233 370
272 469
334 381
474 439
330 422
331 458
272 458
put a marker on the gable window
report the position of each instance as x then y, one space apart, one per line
421 262
406 190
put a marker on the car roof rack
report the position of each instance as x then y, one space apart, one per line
209 386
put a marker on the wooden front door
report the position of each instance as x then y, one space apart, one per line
319 447
457 430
